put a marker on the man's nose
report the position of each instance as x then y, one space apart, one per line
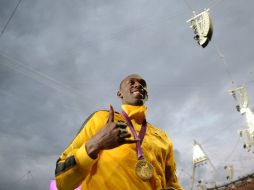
137 85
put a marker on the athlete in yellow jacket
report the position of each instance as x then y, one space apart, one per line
109 152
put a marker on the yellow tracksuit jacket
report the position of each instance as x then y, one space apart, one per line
115 169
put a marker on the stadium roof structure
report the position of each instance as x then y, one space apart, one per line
243 183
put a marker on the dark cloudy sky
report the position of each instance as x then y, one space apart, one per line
62 60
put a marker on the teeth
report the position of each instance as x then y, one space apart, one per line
137 92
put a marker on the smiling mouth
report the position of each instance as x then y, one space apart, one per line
139 93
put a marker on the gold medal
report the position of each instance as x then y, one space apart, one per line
144 169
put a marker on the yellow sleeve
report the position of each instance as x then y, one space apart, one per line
170 170
74 163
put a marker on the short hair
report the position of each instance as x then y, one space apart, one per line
126 78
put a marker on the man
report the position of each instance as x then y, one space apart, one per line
116 151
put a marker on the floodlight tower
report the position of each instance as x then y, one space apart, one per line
240 96
230 172
202 26
199 158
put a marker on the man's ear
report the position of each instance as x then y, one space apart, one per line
119 94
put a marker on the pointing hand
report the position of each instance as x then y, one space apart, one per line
110 136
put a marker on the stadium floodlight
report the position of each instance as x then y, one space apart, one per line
199 158
202 27
230 172
240 96
199 155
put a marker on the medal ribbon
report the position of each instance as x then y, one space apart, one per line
140 136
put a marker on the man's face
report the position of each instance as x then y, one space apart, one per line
133 90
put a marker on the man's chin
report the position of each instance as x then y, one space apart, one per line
138 102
